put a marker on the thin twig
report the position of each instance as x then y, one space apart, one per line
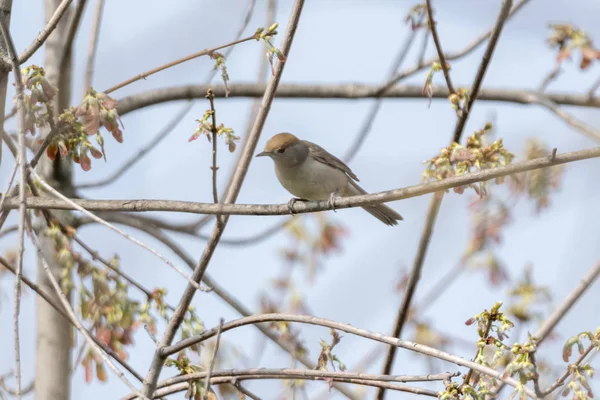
560 381
22 161
438 46
213 361
237 180
305 319
48 29
176 62
590 93
487 57
308 206
413 280
211 98
449 57
93 46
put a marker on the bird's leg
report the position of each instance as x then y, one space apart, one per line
291 203
331 201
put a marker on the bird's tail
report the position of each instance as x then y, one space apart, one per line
380 211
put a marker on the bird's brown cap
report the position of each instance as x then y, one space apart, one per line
281 140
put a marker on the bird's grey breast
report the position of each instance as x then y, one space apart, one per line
312 180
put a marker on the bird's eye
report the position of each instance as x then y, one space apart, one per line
282 150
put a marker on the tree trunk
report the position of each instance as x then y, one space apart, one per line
55 333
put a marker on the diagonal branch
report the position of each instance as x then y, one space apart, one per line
48 29
436 201
438 47
237 180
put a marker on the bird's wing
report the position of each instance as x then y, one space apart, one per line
323 156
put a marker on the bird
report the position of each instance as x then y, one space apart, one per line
309 172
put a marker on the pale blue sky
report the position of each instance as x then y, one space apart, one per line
337 42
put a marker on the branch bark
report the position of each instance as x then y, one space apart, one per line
308 206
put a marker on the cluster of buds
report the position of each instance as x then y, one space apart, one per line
567 39
326 356
457 160
39 94
525 295
205 127
428 87
266 35
460 99
76 125
220 65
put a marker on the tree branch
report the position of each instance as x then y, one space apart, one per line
237 180
308 206
438 47
349 91
48 29
93 46
378 337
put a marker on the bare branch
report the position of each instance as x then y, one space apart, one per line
43 35
305 319
349 91
266 373
309 206
413 280
487 57
176 62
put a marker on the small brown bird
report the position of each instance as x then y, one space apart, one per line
309 172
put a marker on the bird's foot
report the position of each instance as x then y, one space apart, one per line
291 203
331 201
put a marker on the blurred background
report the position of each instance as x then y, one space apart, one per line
357 281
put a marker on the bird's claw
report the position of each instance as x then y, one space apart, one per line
291 203
331 201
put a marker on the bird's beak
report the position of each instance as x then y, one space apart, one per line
263 154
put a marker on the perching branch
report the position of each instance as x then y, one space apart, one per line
308 206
